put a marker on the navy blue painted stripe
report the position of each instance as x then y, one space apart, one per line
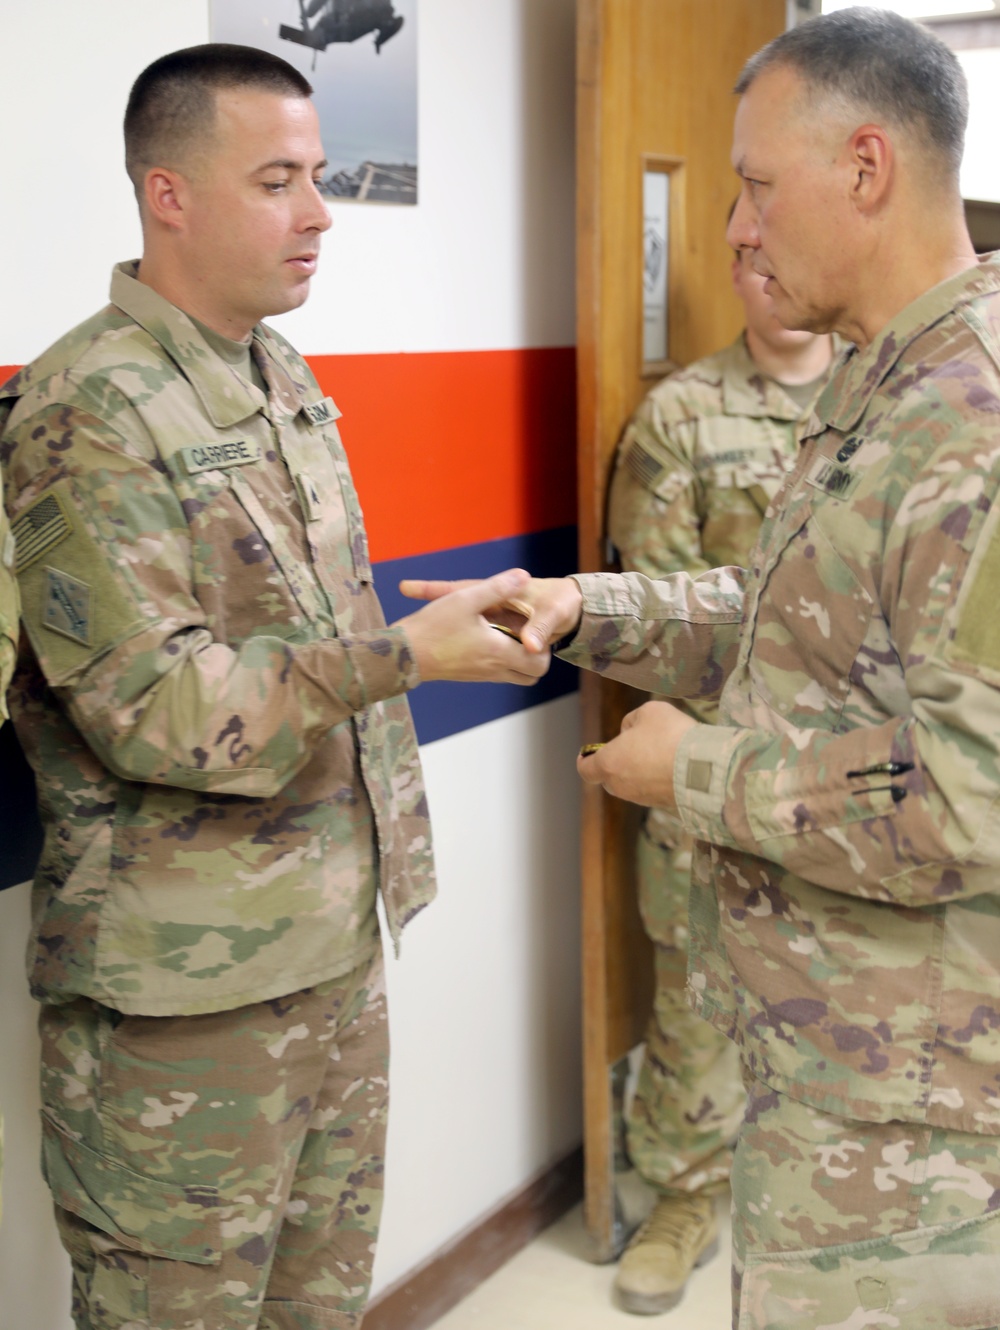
21 836
440 709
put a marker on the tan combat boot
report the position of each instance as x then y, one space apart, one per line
680 1233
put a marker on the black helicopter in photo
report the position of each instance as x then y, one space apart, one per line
343 21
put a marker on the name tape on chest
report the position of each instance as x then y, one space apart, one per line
729 457
40 529
219 456
319 413
839 482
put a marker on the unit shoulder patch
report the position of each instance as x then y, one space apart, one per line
67 607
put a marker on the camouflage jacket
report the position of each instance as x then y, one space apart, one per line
698 464
846 914
208 694
8 608
696 468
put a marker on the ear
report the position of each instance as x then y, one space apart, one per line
871 160
166 197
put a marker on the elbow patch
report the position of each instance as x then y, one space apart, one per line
75 603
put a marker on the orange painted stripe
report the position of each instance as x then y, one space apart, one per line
455 448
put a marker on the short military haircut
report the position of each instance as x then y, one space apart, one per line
890 68
172 103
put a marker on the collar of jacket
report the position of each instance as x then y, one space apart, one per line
845 399
746 391
225 397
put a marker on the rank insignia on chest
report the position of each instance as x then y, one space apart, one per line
67 606
219 456
848 448
839 482
318 413
309 497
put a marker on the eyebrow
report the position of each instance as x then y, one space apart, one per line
284 164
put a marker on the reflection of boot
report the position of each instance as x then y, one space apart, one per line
680 1233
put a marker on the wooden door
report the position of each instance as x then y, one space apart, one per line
654 93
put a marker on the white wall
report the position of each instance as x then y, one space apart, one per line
485 1023
485 999
980 167
485 261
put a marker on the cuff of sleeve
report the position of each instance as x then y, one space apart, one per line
604 596
701 777
382 665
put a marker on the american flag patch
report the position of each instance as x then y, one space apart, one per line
40 529
642 465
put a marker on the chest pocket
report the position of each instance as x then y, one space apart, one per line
249 561
733 500
285 542
334 523
810 617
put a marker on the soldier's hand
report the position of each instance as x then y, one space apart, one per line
540 610
639 764
452 638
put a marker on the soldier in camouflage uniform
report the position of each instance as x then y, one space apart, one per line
9 606
697 466
8 634
226 764
845 911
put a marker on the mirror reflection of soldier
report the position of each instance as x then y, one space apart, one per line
699 462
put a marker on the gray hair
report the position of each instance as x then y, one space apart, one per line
891 67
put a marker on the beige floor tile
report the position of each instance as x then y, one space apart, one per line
551 1286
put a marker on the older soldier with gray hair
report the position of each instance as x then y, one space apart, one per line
845 912
227 768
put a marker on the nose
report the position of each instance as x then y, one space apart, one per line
742 233
316 215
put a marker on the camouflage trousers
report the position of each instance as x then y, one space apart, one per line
839 1225
689 1099
224 1171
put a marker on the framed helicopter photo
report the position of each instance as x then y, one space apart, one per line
361 58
